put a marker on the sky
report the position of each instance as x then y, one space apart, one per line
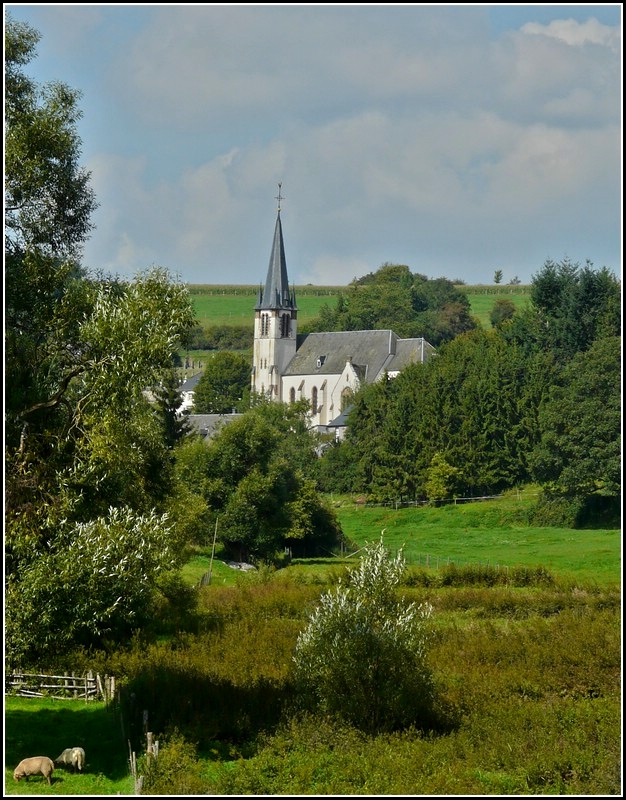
456 139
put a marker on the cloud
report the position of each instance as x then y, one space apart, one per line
576 33
410 137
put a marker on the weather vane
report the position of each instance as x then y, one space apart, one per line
279 197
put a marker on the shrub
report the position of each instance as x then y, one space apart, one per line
176 770
362 656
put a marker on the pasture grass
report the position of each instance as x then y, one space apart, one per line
216 305
490 532
46 726
526 662
481 304
527 678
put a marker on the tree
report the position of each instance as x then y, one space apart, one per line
570 307
362 655
579 454
82 443
410 304
257 475
502 311
442 479
224 385
48 200
96 580
167 403
497 276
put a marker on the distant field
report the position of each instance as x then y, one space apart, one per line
489 532
486 532
234 305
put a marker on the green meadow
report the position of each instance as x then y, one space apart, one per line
489 532
46 726
234 305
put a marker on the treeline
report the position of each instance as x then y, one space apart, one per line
535 399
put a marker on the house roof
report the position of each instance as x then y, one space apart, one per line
342 420
370 352
190 384
208 424
276 294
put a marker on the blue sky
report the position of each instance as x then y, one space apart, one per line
455 139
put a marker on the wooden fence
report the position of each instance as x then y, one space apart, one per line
62 687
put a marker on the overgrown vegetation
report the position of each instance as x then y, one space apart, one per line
525 674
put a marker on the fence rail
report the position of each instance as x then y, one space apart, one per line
62 687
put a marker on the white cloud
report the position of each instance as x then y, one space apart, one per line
407 136
577 33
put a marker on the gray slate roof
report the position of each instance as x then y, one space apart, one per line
371 352
208 424
276 294
190 384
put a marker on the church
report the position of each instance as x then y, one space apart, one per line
323 368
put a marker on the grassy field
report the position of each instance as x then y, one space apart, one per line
487 532
46 726
229 305
527 674
234 305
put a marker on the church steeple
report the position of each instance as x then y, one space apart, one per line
275 322
276 294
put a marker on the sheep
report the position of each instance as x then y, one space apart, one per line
73 757
37 765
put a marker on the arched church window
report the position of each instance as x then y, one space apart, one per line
314 400
292 395
346 396
284 326
265 324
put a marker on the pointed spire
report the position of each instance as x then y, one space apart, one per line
276 293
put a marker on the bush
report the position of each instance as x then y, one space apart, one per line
175 770
362 656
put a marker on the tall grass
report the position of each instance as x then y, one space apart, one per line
526 671
526 662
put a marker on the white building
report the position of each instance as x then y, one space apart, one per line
323 368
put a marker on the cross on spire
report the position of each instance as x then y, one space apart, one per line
279 197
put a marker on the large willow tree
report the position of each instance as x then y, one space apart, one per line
81 438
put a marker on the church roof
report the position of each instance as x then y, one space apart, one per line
276 294
370 352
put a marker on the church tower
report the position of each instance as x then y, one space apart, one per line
275 322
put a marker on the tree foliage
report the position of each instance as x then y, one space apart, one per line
409 304
93 580
88 466
48 200
579 453
257 478
500 407
362 655
570 307
224 385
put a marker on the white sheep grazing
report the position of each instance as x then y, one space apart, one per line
73 757
36 765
